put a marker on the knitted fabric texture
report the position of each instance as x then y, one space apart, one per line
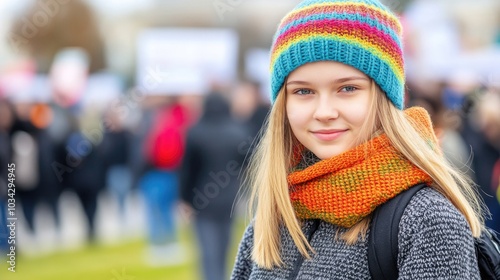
361 33
346 188
434 242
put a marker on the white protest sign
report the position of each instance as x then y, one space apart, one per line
172 61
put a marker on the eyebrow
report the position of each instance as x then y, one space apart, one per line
341 80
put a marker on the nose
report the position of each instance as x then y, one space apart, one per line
326 109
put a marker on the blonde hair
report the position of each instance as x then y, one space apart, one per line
271 163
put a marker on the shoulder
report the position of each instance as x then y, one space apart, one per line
246 243
243 264
434 237
435 240
429 207
249 231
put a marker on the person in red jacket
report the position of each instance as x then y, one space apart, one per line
164 149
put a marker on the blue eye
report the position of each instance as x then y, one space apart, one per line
348 89
303 91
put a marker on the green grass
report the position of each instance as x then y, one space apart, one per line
120 262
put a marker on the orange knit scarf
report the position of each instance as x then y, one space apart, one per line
346 188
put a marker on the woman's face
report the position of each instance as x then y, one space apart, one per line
327 103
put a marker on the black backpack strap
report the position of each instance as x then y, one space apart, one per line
488 254
383 237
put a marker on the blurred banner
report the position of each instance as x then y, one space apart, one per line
174 61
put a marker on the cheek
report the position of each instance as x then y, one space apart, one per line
359 116
297 116
357 113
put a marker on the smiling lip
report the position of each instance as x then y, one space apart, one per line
328 134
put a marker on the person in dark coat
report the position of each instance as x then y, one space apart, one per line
116 146
6 121
483 137
33 152
215 150
163 149
87 178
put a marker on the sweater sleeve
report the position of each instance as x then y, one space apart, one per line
435 240
243 264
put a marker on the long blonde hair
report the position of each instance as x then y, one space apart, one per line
271 163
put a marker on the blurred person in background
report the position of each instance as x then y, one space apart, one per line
244 101
215 151
25 155
88 172
249 107
446 122
489 117
483 134
116 144
34 153
6 122
164 149
81 160
45 140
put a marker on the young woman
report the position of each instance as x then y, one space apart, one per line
339 144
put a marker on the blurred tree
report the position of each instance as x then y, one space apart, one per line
49 26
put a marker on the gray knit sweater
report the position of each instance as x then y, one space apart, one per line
435 242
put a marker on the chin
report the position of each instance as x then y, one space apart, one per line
323 156
326 154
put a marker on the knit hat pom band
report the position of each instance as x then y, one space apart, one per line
359 33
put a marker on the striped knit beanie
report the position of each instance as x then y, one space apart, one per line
361 33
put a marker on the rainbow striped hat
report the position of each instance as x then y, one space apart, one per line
360 33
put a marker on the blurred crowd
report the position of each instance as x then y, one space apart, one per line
72 123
